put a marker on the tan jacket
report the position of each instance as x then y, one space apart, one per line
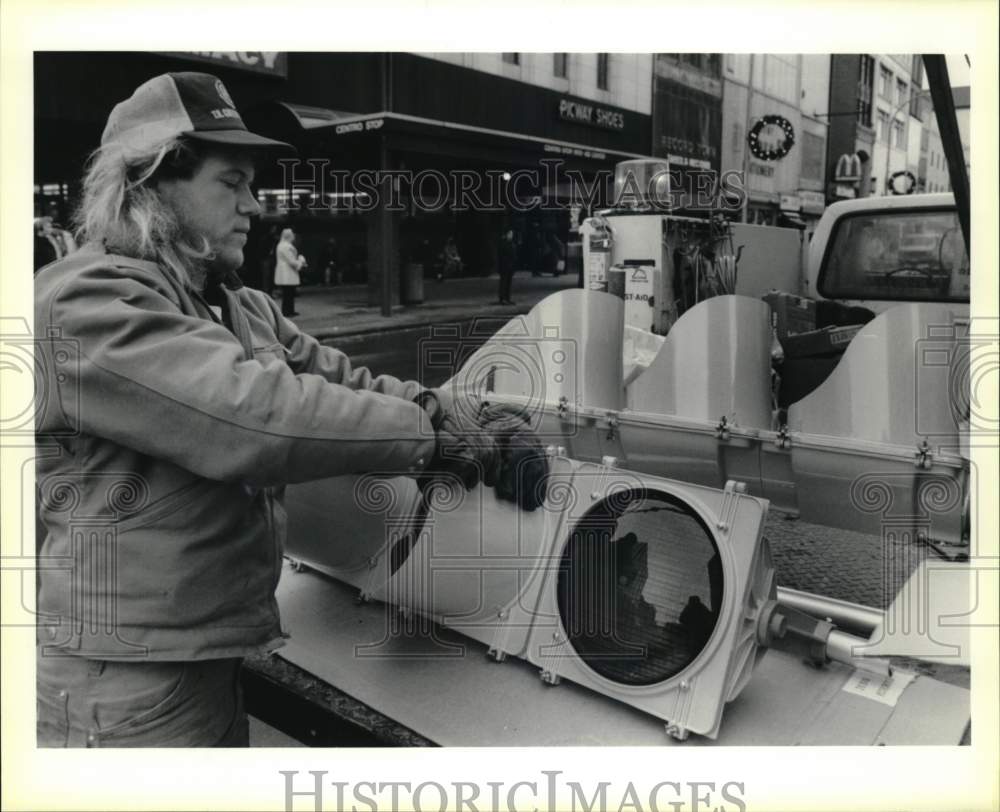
164 439
288 262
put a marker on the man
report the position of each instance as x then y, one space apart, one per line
505 263
288 263
175 404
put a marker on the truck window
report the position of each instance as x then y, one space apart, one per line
906 256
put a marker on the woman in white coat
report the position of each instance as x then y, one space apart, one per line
287 265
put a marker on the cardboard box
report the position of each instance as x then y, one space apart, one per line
825 341
790 314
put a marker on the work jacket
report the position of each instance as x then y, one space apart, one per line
165 430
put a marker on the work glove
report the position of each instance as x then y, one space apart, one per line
523 473
462 450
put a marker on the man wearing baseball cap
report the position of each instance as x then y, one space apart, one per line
174 406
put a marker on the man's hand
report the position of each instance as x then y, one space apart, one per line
463 449
524 465
494 444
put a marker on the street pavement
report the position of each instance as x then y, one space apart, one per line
328 312
850 566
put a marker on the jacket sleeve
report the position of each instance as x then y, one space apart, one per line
136 370
306 355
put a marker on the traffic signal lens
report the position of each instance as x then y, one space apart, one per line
639 587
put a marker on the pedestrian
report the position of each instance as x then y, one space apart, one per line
451 260
268 261
331 268
506 266
288 263
179 404
47 247
51 242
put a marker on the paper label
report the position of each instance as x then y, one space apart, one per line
597 267
886 690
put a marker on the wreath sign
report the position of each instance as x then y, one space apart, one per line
911 182
753 138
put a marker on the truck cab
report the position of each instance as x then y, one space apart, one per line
878 252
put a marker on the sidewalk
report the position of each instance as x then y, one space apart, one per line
325 312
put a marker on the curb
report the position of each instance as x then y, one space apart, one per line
324 334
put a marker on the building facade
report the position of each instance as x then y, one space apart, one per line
779 100
485 117
884 135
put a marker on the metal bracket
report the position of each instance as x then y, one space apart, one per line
722 429
730 497
549 677
612 420
676 731
783 440
496 651
563 407
922 456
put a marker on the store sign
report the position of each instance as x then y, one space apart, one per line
272 63
790 203
562 149
812 202
687 126
845 191
591 114
359 126
848 169
683 160
762 170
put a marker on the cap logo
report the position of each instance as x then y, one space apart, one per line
223 93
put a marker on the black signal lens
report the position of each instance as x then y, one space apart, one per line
640 587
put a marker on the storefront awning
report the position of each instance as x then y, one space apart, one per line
401 123
793 219
309 118
349 134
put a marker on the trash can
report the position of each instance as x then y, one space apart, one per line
412 283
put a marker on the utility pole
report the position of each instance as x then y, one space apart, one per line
387 252
746 144
888 139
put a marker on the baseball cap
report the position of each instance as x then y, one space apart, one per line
195 105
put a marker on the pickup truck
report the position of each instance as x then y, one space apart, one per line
878 251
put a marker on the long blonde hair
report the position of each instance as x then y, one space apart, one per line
122 210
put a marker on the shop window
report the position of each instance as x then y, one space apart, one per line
512 58
762 216
602 71
560 66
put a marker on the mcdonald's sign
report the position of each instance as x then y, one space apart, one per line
848 169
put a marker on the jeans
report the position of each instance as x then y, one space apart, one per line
107 703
